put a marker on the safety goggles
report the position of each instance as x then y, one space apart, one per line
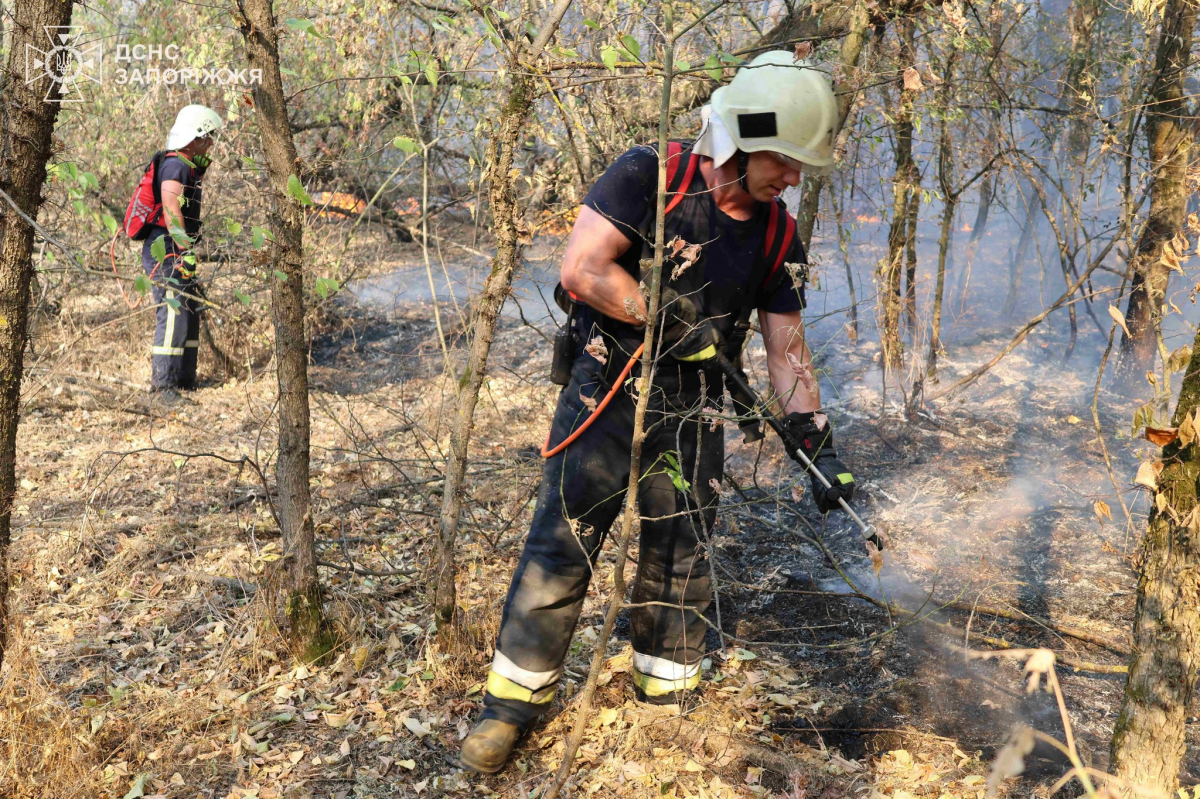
787 160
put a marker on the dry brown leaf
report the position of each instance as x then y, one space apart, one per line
1147 475
876 557
588 401
1170 258
1161 436
1160 502
597 350
912 80
632 310
797 492
803 50
1119 318
1187 430
953 11
1102 511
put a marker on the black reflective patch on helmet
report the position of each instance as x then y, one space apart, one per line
757 126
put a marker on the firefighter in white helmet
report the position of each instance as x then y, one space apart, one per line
774 120
179 173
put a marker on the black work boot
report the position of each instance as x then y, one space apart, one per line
166 397
487 748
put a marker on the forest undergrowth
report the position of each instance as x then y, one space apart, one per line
149 662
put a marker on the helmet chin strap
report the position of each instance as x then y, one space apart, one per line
743 158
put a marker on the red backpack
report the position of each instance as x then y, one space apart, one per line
145 208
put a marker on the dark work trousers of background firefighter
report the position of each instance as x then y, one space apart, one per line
177 334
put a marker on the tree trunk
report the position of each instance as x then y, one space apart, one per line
310 632
890 267
505 213
950 200
852 47
910 255
1169 135
1079 79
844 246
24 150
1148 739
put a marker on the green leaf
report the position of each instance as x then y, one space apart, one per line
280 276
142 284
256 238
743 655
631 44
296 189
676 473
712 65
324 285
158 250
593 24
233 228
682 66
567 52
406 144
431 73
303 26
109 223
244 299
399 684
174 303
609 56
731 59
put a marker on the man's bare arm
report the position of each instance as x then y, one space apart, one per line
789 363
590 270
172 190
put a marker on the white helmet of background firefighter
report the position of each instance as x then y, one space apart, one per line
781 105
192 122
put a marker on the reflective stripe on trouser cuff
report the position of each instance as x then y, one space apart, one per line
507 680
166 350
501 687
192 343
659 676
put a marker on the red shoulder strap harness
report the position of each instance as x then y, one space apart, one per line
776 245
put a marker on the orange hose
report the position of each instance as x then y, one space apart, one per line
612 392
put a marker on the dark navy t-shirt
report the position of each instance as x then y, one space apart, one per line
718 281
174 168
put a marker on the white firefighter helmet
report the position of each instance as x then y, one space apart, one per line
779 104
192 122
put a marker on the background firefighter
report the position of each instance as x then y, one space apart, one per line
177 334
776 117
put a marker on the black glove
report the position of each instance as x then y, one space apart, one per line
816 443
686 335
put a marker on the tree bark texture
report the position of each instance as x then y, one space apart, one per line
1148 739
1169 135
308 627
25 147
950 199
847 89
1079 78
505 215
902 183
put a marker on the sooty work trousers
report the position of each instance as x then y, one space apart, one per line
582 493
